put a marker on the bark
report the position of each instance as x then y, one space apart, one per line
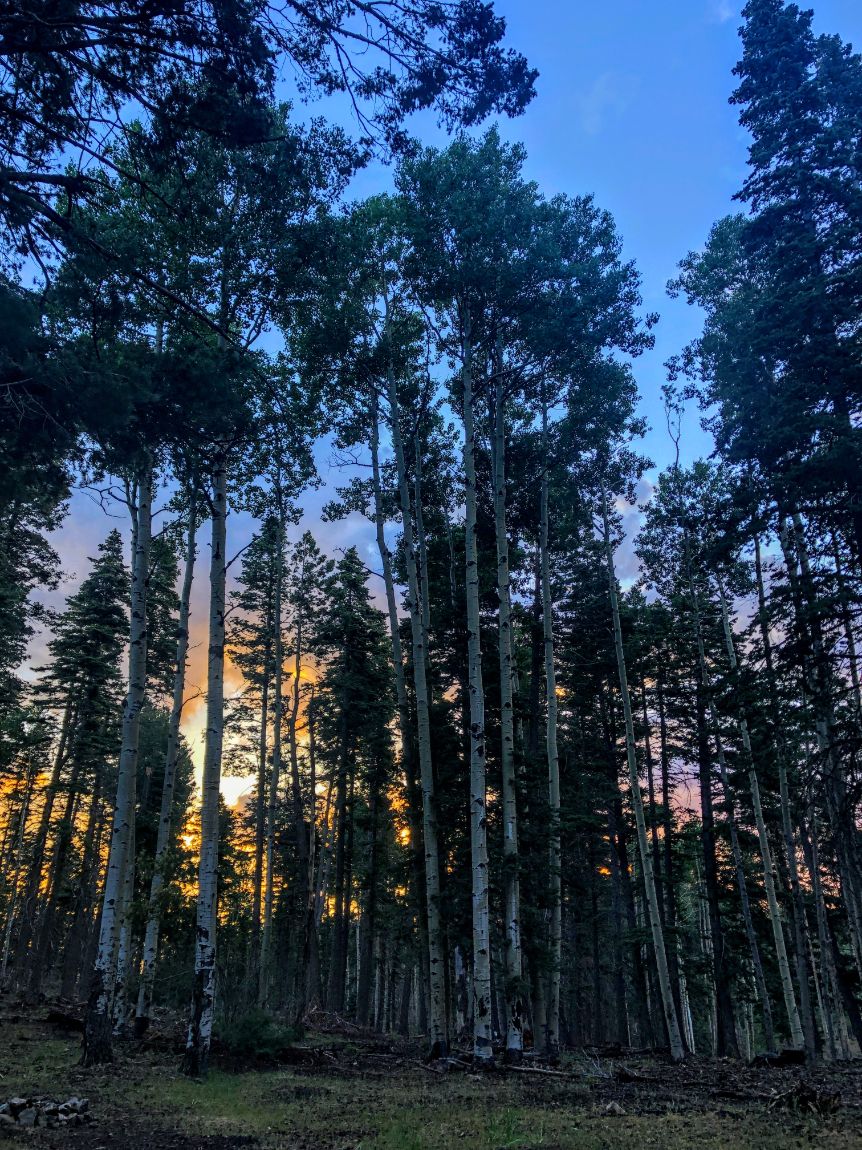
414 799
196 1060
368 922
267 943
438 1030
163 834
551 1037
513 987
482 1049
97 1032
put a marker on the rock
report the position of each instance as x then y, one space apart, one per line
16 1105
6 1120
28 1117
614 1109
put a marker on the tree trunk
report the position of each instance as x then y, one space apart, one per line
97 1032
17 865
513 987
551 1037
439 1040
414 801
163 835
482 1049
203 988
267 942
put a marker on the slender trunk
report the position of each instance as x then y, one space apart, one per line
82 919
97 1032
745 904
513 987
43 934
847 625
203 988
667 844
417 870
303 845
17 855
163 835
796 894
368 921
725 1033
482 1049
267 942
30 899
551 1037
677 1050
438 1031
260 816
340 917
119 1008
723 1026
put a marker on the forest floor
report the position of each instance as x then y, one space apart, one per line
345 1090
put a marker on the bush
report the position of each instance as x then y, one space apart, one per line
255 1035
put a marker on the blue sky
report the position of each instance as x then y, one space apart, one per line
632 106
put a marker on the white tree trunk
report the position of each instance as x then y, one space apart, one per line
482 1048
439 1038
513 987
551 1039
203 992
163 835
97 1033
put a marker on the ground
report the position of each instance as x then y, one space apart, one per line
347 1091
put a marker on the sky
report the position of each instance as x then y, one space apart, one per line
632 107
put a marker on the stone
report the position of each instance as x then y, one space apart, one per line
614 1109
16 1105
7 1120
28 1117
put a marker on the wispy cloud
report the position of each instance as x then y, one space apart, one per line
720 11
607 98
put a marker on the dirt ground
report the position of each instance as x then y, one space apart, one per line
341 1089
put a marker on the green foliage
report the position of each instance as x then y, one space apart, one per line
256 1036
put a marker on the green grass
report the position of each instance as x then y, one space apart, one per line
406 1109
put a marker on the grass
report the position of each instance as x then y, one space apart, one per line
405 1109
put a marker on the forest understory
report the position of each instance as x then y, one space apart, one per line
344 1088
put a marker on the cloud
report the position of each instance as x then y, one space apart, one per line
720 11
608 97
